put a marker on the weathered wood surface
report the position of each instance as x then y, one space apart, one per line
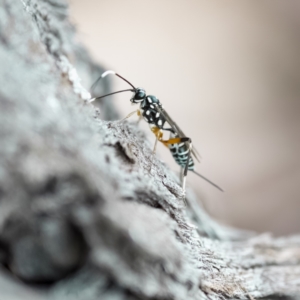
85 207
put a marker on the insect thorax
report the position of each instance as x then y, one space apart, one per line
149 109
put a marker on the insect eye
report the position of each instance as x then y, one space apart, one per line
140 94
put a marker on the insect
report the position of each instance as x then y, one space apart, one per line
156 116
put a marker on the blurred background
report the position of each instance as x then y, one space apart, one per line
228 72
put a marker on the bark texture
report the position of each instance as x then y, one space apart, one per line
86 210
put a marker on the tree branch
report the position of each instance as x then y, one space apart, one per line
86 209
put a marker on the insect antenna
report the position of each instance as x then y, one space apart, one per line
128 90
125 80
216 186
107 73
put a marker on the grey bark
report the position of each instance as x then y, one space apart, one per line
86 210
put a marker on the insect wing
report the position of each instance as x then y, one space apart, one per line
177 130
168 119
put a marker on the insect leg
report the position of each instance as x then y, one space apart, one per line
132 113
158 136
181 175
176 140
155 144
139 119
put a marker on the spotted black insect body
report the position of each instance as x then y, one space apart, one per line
150 112
155 115
149 104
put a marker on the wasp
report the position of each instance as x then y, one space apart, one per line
160 121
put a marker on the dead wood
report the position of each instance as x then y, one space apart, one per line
86 209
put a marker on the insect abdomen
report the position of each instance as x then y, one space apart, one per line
180 154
